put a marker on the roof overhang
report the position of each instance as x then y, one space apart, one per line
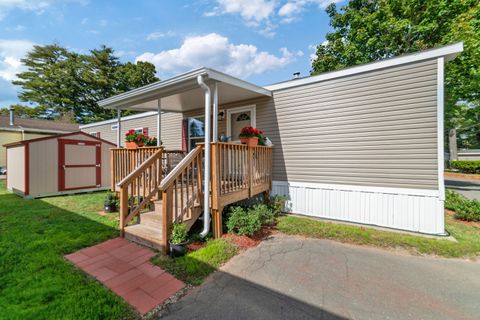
182 93
449 52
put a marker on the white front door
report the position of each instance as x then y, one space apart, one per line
238 118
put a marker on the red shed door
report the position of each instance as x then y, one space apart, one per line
79 164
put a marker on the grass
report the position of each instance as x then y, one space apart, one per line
35 280
468 237
195 266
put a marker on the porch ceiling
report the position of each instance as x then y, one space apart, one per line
182 92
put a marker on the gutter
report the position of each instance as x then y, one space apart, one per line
206 192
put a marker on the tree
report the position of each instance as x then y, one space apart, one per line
63 83
369 30
20 111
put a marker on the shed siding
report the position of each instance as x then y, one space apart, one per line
14 136
16 168
373 129
43 163
171 129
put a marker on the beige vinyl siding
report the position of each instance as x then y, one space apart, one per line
171 129
16 168
376 129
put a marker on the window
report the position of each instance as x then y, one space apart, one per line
95 134
142 130
114 126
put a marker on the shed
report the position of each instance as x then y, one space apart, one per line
62 164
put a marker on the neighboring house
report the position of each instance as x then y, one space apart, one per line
143 122
14 129
362 144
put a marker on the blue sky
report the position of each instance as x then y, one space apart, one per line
262 41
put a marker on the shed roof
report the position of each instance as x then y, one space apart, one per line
24 142
37 125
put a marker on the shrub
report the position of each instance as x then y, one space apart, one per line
266 214
276 203
466 166
465 209
243 222
179 233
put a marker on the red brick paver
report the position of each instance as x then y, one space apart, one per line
125 268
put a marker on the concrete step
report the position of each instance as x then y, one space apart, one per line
145 235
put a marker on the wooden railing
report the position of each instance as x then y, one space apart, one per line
139 187
182 193
124 161
239 172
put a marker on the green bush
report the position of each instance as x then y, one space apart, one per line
465 209
466 166
267 215
276 203
243 222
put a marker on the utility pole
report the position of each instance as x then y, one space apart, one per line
452 144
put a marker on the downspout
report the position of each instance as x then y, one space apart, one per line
206 193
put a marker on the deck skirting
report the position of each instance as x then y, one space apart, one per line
414 210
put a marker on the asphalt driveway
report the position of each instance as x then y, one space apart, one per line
295 278
468 188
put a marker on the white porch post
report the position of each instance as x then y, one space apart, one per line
215 112
119 127
159 122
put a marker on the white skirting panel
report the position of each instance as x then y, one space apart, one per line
406 209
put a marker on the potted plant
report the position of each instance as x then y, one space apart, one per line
150 141
251 136
178 240
110 203
134 139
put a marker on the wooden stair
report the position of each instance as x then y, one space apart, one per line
149 231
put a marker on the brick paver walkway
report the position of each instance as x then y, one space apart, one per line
124 267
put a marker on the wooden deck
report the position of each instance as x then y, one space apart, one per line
149 177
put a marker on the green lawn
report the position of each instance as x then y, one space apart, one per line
195 266
35 281
468 237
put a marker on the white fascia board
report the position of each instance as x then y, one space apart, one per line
116 101
113 121
449 52
345 187
223 77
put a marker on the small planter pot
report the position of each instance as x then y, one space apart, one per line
177 250
249 141
110 208
133 144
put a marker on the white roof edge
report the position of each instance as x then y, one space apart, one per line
211 73
111 121
448 51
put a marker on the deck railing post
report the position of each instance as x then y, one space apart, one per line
250 170
123 208
167 207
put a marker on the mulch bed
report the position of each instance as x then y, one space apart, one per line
246 242
467 176
467 223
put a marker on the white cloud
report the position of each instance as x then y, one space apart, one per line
291 9
265 15
11 51
103 23
37 6
216 51
158 35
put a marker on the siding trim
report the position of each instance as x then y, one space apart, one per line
344 187
27 170
440 132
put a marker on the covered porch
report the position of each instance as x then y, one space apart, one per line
171 184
